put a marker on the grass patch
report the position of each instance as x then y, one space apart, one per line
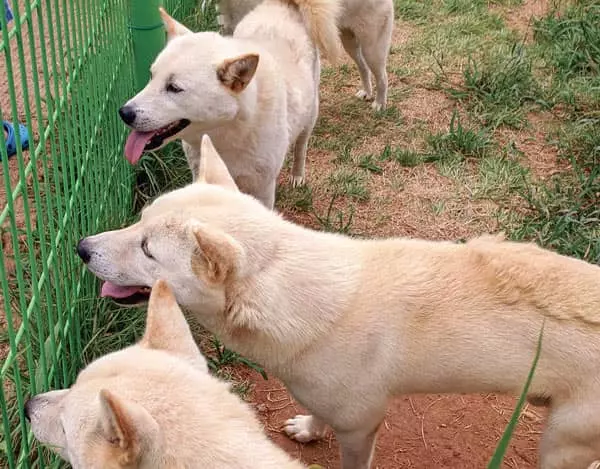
160 172
460 141
570 41
223 357
500 88
350 183
337 129
295 198
568 45
414 10
565 213
335 220
499 176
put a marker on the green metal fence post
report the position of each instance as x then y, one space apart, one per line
148 37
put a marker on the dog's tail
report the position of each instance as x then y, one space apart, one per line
321 19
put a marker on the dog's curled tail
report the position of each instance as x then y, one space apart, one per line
321 19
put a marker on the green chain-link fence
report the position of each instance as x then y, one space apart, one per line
66 67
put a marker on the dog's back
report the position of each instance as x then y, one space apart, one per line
281 20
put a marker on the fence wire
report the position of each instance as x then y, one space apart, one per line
66 68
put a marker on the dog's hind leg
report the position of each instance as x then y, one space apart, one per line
300 148
357 448
375 51
572 436
301 144
352 47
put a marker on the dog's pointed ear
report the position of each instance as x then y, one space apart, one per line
172 26
236 73
217 256
127 427
212 169
167 328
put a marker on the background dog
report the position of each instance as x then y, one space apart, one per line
153 406
255 93
366 32
347 323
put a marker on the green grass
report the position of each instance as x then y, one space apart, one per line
504 443
351 183
223 357
336 220
460 141
499 88
570 40
565 213
160 172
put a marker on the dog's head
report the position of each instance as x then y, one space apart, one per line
196 84
201 238
124 406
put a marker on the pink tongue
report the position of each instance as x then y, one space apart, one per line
115 291
134 146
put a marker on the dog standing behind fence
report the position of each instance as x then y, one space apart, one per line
255 94
365 29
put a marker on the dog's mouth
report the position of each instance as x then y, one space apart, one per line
138 142
126 296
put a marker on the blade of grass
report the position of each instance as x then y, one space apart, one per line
498 456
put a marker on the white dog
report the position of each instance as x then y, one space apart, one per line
255 93
153 406
348 323
365 29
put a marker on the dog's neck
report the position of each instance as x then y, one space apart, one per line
291 300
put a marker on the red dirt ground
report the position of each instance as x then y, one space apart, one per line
419 432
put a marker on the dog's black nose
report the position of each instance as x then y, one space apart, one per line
127 113
27 410
82 251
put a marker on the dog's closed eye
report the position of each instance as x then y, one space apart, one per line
145 250
172 88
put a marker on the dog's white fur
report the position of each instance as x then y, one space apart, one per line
154 405
366 31
255 93
348 323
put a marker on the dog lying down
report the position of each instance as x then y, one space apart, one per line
349 323
153 405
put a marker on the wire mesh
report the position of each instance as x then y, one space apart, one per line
67 68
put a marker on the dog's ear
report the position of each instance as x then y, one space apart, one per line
167 328
173 27
127 427
236 73
212 169
217 256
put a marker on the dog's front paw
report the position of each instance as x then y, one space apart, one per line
297 181
362 94
377 106
594 465
303 428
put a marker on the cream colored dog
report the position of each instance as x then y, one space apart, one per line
365 29
153 406
255 93
349 323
